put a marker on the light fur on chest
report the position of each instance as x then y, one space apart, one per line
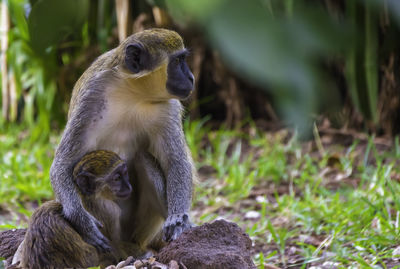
126 124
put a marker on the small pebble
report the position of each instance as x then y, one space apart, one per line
129 260
396 254
120 265
125 263
173 265
129 267
270 266
261 199
138 264
330 264
252 215
157 265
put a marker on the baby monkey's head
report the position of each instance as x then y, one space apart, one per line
102 173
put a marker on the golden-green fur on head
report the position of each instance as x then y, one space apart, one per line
158 42
99 163
157 39
150 84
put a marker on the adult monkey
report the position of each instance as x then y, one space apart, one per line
126 102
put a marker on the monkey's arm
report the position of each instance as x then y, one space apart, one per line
72 147
176 162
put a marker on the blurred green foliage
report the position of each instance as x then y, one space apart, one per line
284 46
46 36
50 21
25 166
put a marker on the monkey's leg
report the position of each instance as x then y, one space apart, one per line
144 214
153 173
171 151
150 169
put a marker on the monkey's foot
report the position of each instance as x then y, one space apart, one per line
175 225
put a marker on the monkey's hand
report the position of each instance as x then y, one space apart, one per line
175 225
88 228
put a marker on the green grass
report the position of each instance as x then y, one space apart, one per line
357 226
24 169
317 204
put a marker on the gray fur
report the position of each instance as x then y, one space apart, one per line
161 178
70 150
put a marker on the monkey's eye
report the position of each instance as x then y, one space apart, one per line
116 177
180 59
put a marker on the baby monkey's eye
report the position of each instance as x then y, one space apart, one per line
117 177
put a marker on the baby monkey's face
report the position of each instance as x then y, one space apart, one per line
103 174
116 184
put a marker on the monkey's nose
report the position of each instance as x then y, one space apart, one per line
191 78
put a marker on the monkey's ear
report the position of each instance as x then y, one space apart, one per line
86 183
136 58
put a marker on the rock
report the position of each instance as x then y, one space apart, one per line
396 253
219 244
9 242
157 265
270 266
252 215
125 263
121 264
139 264
173 265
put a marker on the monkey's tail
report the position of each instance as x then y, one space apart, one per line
9 243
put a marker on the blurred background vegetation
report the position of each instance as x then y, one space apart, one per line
327 67
333 62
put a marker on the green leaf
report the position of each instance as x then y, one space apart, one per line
18 17
371 60
52 20
362 60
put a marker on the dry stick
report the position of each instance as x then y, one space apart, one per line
13 104
123 11
196 64
161 17
4 28
318 141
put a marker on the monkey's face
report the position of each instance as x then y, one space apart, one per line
158 59
118 184
180 81
113 185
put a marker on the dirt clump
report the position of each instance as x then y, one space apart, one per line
219 244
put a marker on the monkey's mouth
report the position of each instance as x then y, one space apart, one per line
124 195
181 93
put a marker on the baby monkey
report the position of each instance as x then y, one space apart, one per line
102 179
